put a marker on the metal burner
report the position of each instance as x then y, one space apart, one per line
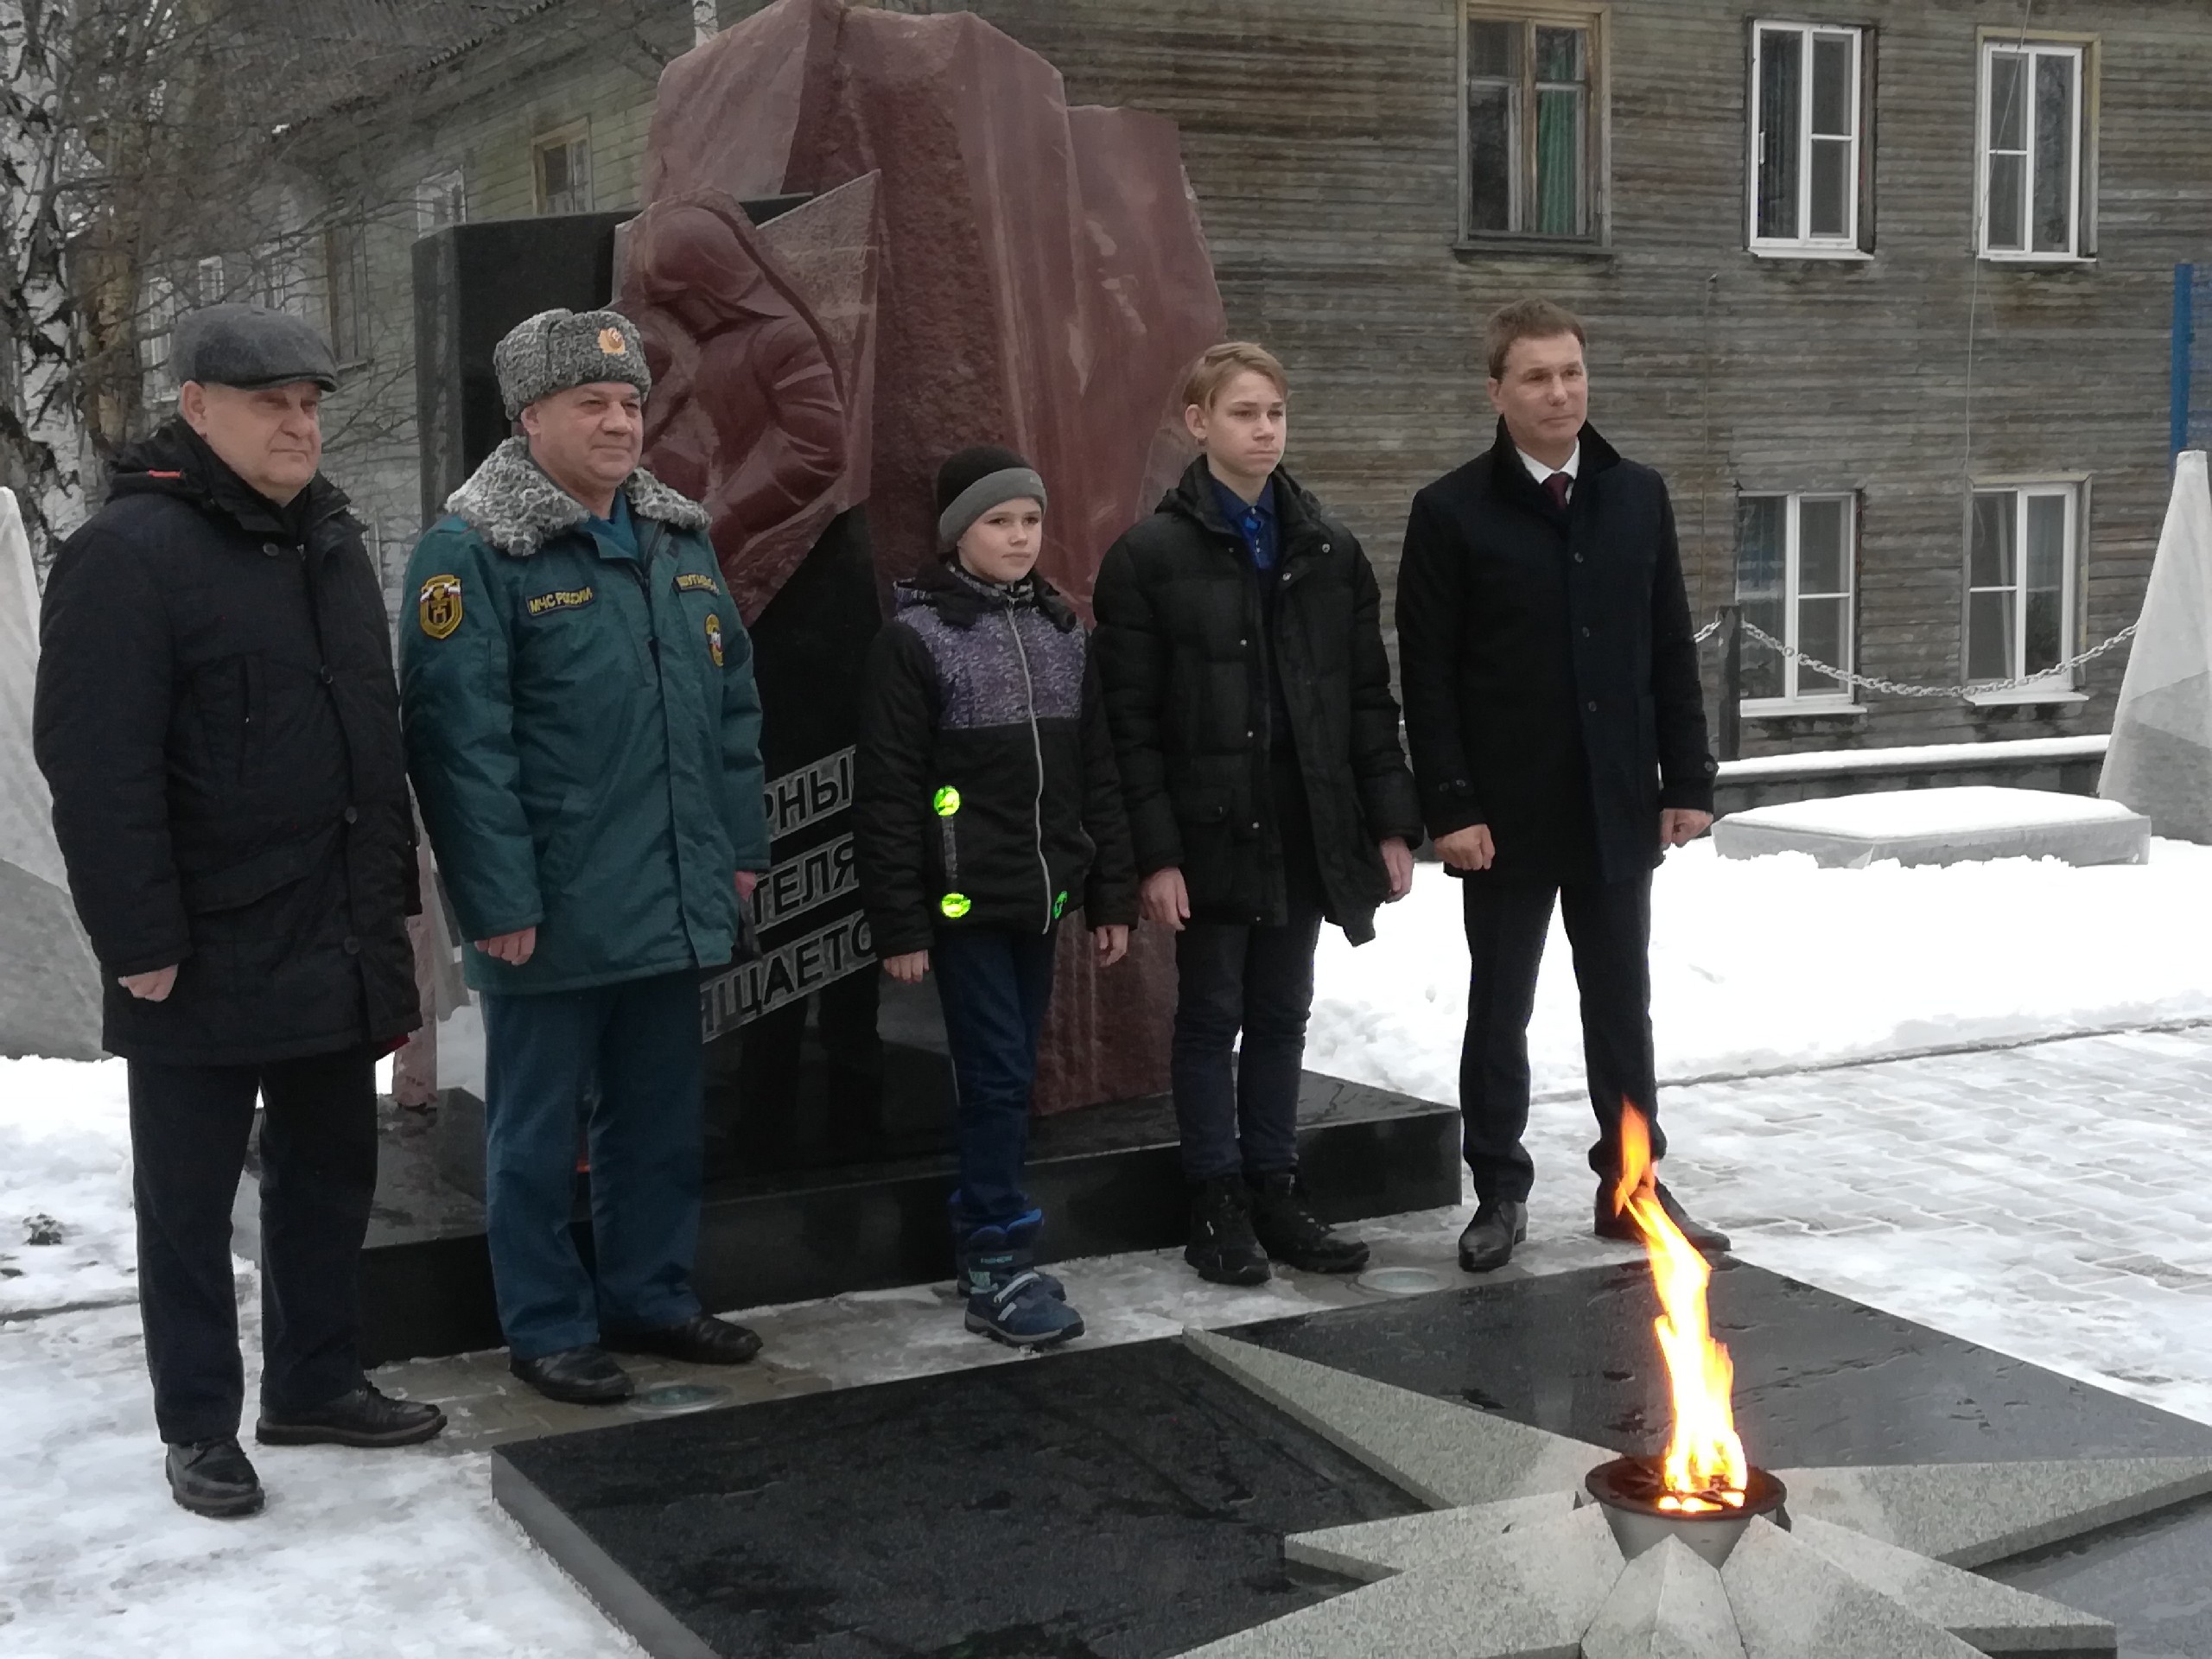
1629 1489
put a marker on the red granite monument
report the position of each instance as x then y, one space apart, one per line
981 263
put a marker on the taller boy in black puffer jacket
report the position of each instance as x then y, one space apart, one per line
987 806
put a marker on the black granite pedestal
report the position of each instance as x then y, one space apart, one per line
1130 1503
811 1222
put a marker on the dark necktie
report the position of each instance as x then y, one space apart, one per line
1558 485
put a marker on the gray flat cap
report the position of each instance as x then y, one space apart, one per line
555 350
250 345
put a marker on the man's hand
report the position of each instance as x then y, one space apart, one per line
909 968
747 880
1164 901
1113 941
1398 859
513 949
1679 824
151 988
1470 848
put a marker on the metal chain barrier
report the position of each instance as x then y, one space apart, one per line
1707 630
1900 689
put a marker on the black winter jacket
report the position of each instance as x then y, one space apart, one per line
984 788
1180 614
1550 675
217 717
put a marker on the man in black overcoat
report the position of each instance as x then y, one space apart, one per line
1557 727
217 717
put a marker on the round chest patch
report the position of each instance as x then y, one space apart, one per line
715 637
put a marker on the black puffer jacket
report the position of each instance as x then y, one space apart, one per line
984 788
217 717
1188 689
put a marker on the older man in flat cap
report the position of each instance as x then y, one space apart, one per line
217 717
584 736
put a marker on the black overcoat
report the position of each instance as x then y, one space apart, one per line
217 717
1550 675
1180 614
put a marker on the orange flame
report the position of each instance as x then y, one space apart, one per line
1705 1469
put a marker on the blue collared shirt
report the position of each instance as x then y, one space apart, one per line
618 527
1254 524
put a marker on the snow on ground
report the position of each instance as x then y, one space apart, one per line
1771 963
1759 964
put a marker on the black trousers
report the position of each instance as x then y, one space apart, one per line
189 1129
1258 980
1608 924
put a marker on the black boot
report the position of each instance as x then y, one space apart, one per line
364 1417
1223 1246
1487 1245
1291 1233
574 1377
703 1339
212 1477
1612 1222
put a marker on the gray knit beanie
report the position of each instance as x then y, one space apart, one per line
555 350
975 480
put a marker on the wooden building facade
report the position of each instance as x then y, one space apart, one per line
1882 286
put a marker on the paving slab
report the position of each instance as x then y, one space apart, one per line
1994 1617
1972 1513
1446 1454
1668 1604
1790 1602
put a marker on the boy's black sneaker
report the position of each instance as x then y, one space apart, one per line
1223 1247
1291 1233
212 1477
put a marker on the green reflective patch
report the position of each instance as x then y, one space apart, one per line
954 905
1060 906
946 801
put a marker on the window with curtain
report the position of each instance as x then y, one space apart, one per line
563 170
2032 143
1530 140
1795 559
2020 560
1806 148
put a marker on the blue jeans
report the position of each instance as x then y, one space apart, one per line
640 1039
995 987
1259 981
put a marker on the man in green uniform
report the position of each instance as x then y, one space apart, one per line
583 734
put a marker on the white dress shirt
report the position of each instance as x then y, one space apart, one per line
1572 467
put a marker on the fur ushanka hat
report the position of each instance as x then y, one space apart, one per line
555 350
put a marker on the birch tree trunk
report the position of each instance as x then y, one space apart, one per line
44 446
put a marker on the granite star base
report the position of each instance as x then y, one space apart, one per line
1108 1179
1383 1481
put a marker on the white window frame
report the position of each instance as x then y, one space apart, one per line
1595 159
1792 700
2059 684
574 137
158 314
1847 245
2078 211
441 199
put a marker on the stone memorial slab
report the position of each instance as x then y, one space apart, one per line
849 1523
1668 1604
1940 826
2161 761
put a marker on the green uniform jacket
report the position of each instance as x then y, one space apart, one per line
582 730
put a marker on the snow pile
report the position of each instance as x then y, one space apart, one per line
65 1157
1770 963
1897 812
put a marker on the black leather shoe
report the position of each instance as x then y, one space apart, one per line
364 1417
576 1376
702 1339
1487 1245
213 1477
1291 1233
1614 1224
1223 1247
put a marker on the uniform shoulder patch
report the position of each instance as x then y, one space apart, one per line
561 598
715 637
437 607
692 582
